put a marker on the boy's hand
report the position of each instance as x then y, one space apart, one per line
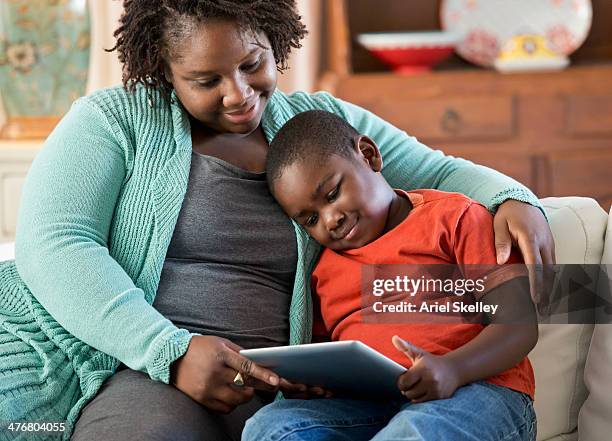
431 377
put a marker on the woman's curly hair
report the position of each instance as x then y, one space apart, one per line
150 29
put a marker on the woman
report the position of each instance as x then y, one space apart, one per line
147 237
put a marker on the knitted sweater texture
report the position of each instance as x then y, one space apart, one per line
97 214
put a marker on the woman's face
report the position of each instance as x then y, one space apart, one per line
223 76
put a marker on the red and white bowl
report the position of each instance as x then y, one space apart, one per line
410 52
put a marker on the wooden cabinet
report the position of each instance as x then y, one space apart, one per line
15 160
550 130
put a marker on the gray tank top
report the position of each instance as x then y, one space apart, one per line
230 266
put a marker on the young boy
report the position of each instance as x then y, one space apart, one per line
464 381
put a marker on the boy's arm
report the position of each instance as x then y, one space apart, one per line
497 348
501 344
504 342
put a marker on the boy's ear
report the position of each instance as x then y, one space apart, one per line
369 151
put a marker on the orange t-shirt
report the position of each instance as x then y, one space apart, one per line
442 228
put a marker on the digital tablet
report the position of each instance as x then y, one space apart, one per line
347 368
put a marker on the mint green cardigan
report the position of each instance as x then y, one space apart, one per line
97 214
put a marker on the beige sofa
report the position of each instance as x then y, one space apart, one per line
573 363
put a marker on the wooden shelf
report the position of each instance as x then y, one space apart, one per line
550 130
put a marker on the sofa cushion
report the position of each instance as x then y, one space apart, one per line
595 422
578 226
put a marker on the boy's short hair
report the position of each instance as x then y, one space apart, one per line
311 136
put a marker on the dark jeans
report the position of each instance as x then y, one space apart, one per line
132 407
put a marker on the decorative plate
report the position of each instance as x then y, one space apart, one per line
484 26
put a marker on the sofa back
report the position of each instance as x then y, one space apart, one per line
578 226
595 419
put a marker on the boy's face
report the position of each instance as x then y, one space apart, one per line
342 204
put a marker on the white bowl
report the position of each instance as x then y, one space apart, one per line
387 40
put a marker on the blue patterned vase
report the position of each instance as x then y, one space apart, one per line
44 58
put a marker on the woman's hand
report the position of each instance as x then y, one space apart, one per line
207 370
522 224
301 391
431 377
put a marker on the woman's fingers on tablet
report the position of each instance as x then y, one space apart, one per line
288 387
252 374
260 385
292 387
317 391
302 391
294 390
